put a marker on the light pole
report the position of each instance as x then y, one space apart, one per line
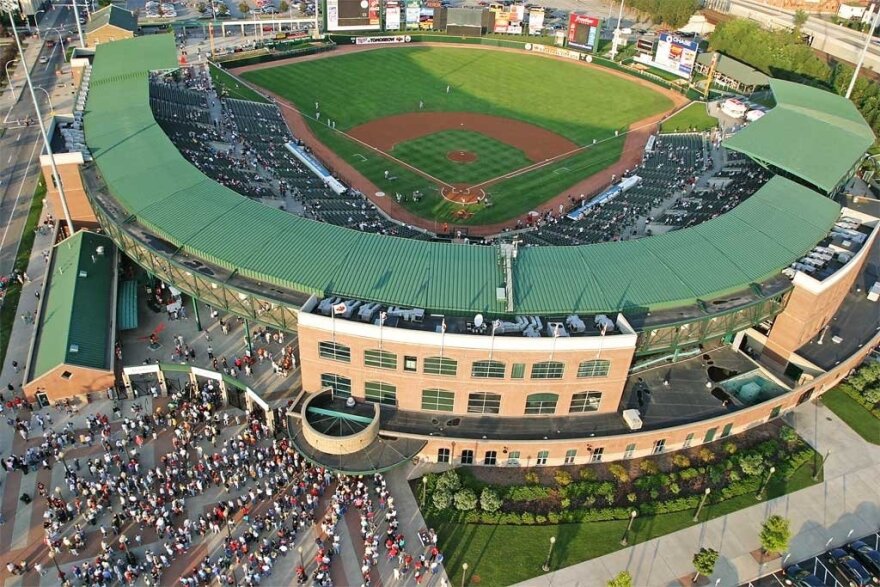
52 558
546 566
6 68
37 21
818 468
702 503
301 563
61 453
49 98
760 494
632 518
424 488
464 568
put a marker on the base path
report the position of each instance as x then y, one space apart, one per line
535 142
633 147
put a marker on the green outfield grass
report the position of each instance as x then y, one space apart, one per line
429 153
580 103
692 117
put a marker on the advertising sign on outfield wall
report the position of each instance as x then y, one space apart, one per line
413 11
583 31
508 19
392 15
382 40
353 15
556 51
676 55
536 20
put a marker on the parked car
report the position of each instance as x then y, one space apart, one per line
800 577
852 569
868 556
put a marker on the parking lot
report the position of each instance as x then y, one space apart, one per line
821 567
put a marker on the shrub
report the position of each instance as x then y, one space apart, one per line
706 455
562 478
751 464
730 447
632 497
654 494
527 518
688 474
527 493
565 503
649 467
283 6
788 435
619 472
441 499
775 534
532 477
681 461
448 481
674 488
704 561
622 579
539 519
553 518
465 500
489 500
587 474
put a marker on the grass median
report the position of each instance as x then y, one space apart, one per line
863 422
690 118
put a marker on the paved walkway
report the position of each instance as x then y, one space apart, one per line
821 516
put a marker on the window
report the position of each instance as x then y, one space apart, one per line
542 457
570 455
380 359
598 453
518 371
383 393
688 440
541 403
410 364
443 455
439 366
490 458
438 399
630 450
66 375
598 368
488 370
333 351
587 401
467 457
725 432
484 403
659 446
548 370
341 385
710 435
774 413
513 457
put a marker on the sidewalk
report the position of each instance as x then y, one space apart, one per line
821 516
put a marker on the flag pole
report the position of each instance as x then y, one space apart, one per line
442 337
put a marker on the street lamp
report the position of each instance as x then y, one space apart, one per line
49 98
464 568
546 567
37 21
6 67
424 488
300 550
760 494
632 518
52 558
61 452
818 468
702 503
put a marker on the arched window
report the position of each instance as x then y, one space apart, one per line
484 403
379 358
541 403
597 368
488 370
334 351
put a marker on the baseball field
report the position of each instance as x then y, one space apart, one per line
465 136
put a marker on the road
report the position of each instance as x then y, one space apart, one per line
21 146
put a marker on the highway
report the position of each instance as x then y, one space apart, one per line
21 146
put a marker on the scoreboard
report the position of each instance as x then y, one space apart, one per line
583 31
348 15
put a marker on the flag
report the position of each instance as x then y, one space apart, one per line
556 331
496 325
339 308
382 316
443 325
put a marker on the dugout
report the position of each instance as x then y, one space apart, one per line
463 22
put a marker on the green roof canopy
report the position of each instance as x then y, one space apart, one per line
811 133
744 74
170 197
112 15
75 322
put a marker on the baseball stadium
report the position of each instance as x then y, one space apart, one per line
483 255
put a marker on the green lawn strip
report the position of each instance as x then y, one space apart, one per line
863 422
232 88
574 101
487 548
430 154
692 117
9 308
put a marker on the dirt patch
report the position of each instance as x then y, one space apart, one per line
462 156
538 144
463 194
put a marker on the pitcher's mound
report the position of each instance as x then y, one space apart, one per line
461 156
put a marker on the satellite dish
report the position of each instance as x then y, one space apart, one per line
478 320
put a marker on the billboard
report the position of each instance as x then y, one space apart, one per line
583 31
353 15
676 55
508 19
413 12
536 20
392 15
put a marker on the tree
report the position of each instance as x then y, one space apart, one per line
465 500
244 7
283 6
222 10
448 481
489 500
704 562
622 579
441 499
775 535
201 8
800 19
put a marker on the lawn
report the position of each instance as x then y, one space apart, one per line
9 307
856 417
580 103
429 153
232 87
692 117
486 549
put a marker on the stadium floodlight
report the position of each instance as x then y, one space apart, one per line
12 8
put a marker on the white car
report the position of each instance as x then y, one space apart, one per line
44 59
